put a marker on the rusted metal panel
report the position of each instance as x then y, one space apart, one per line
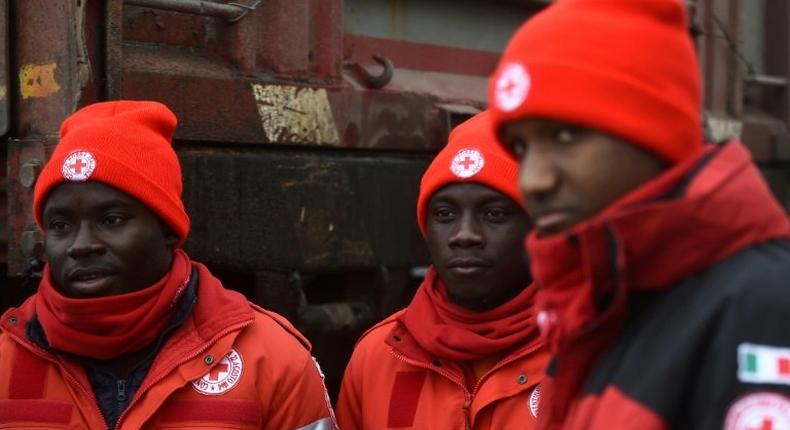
25 239
52 63
224 109
302 210
4 81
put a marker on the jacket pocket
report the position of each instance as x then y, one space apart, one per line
211 412
35 414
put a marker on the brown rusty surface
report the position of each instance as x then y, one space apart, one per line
224 110
47 41
4 81
20 198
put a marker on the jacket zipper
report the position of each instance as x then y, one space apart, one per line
120 395
468 397
71 378
207 345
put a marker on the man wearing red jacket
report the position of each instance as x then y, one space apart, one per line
125 330
465 353
662 262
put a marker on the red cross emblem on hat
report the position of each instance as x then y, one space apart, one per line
78 166
467 163
512 87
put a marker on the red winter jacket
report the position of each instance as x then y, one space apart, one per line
402 387
224 367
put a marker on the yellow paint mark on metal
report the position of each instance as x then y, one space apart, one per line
2 92
295 115
38 80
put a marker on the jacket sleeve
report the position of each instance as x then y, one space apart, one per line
349 405
302 402
745 369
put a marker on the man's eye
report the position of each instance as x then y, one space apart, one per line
567 134
113 219
443 213
58 226
495 214
519 148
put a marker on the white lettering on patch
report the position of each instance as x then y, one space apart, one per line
222 377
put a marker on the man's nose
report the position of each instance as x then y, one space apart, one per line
85 243
467 232
538 174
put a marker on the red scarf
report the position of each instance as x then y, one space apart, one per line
109 327
450 332
646 241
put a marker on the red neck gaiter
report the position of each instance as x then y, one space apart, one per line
696 214
109 327
450 332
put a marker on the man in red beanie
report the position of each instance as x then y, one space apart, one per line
125 330
662 263
465 353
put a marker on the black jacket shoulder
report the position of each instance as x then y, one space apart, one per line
679 352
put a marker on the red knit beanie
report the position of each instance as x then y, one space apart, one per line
124 144
473 155
624 67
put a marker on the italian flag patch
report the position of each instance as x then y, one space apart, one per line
763 364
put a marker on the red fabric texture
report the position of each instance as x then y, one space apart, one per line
499 170
244 412
646 241
406 391
450 332
130 142
109 327
627 68
35 411
28 376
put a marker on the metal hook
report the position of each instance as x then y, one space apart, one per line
370 80
247 9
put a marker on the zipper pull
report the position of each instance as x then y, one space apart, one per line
121 395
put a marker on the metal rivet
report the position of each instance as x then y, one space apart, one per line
209 359
522 379
28 173
12 320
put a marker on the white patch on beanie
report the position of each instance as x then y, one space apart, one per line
467 163
512 87
78 166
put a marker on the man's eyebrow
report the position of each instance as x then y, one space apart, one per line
56 209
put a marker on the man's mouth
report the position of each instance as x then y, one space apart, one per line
89 281
467 266
552 222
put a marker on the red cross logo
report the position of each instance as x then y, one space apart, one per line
759 411
78 166
467 163
214 374
512 87
768 424
225 375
